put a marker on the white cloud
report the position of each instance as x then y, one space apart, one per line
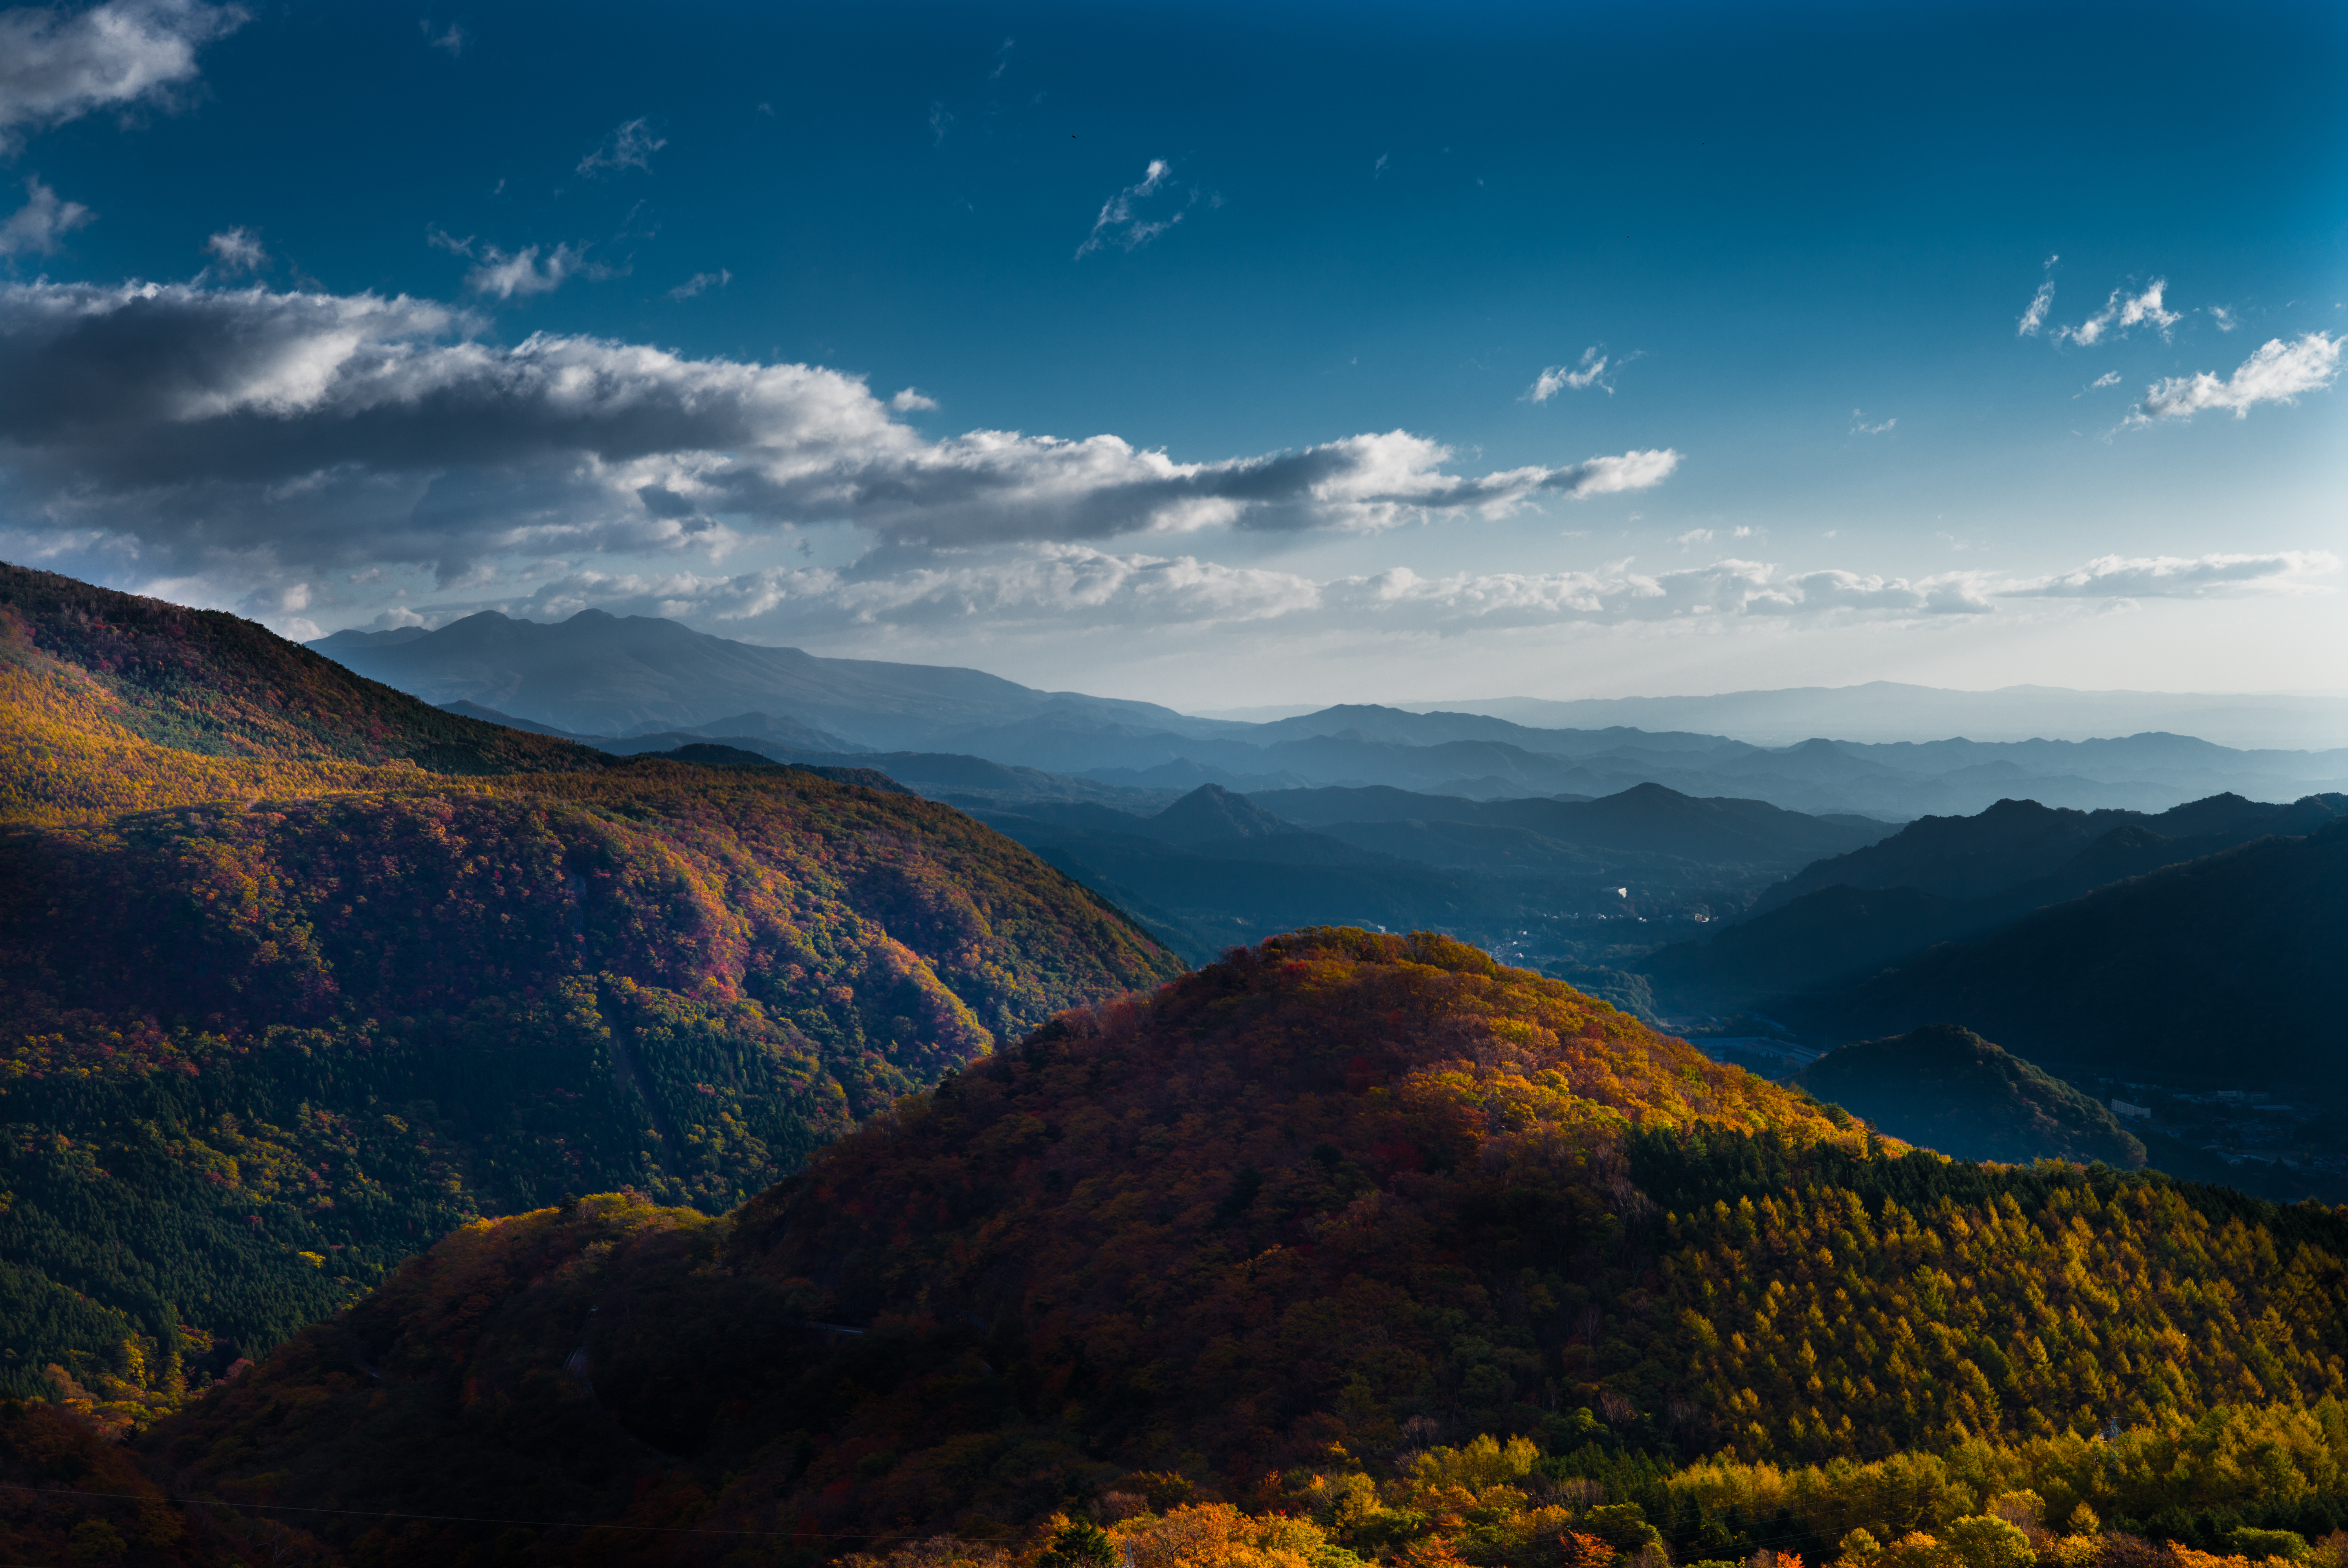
2224 317
2124 310
1557 378
2034 316
910 400
2178 577
1859 427
631 146
39 227
354 429
699 283
522 274
238 250
1693 537
1121 224
58 64
1061 589
2109 378
2277 373
451 40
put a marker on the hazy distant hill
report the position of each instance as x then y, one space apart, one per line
1216 867
1888 710
599 673
1948 1089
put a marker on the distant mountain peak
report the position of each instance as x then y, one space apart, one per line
1212 812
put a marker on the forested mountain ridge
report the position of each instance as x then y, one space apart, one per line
111 701
2147 972
1954 880
1267 1236
2017 843
279 1001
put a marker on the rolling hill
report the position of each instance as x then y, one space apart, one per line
1321 1231
297 972
1950 1089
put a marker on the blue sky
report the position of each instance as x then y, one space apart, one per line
1213 354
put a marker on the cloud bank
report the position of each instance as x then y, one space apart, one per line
307 429
1057 589
2182 577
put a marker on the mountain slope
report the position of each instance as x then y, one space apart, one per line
1840 931
2018 842
2150 972
111 702
1948 1089
309 1004
1305 1211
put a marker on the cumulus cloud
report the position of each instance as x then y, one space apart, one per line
237 250
2124 310
350 429
700 282
40 226
58 64
631 146
1557 378
1121 222
2183 577
2277 373
912 400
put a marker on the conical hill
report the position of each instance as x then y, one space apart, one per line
1318 1206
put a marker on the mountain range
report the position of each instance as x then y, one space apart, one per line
427 1138
601 676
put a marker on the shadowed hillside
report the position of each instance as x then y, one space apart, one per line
281 1003
2150 973
1948 1089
